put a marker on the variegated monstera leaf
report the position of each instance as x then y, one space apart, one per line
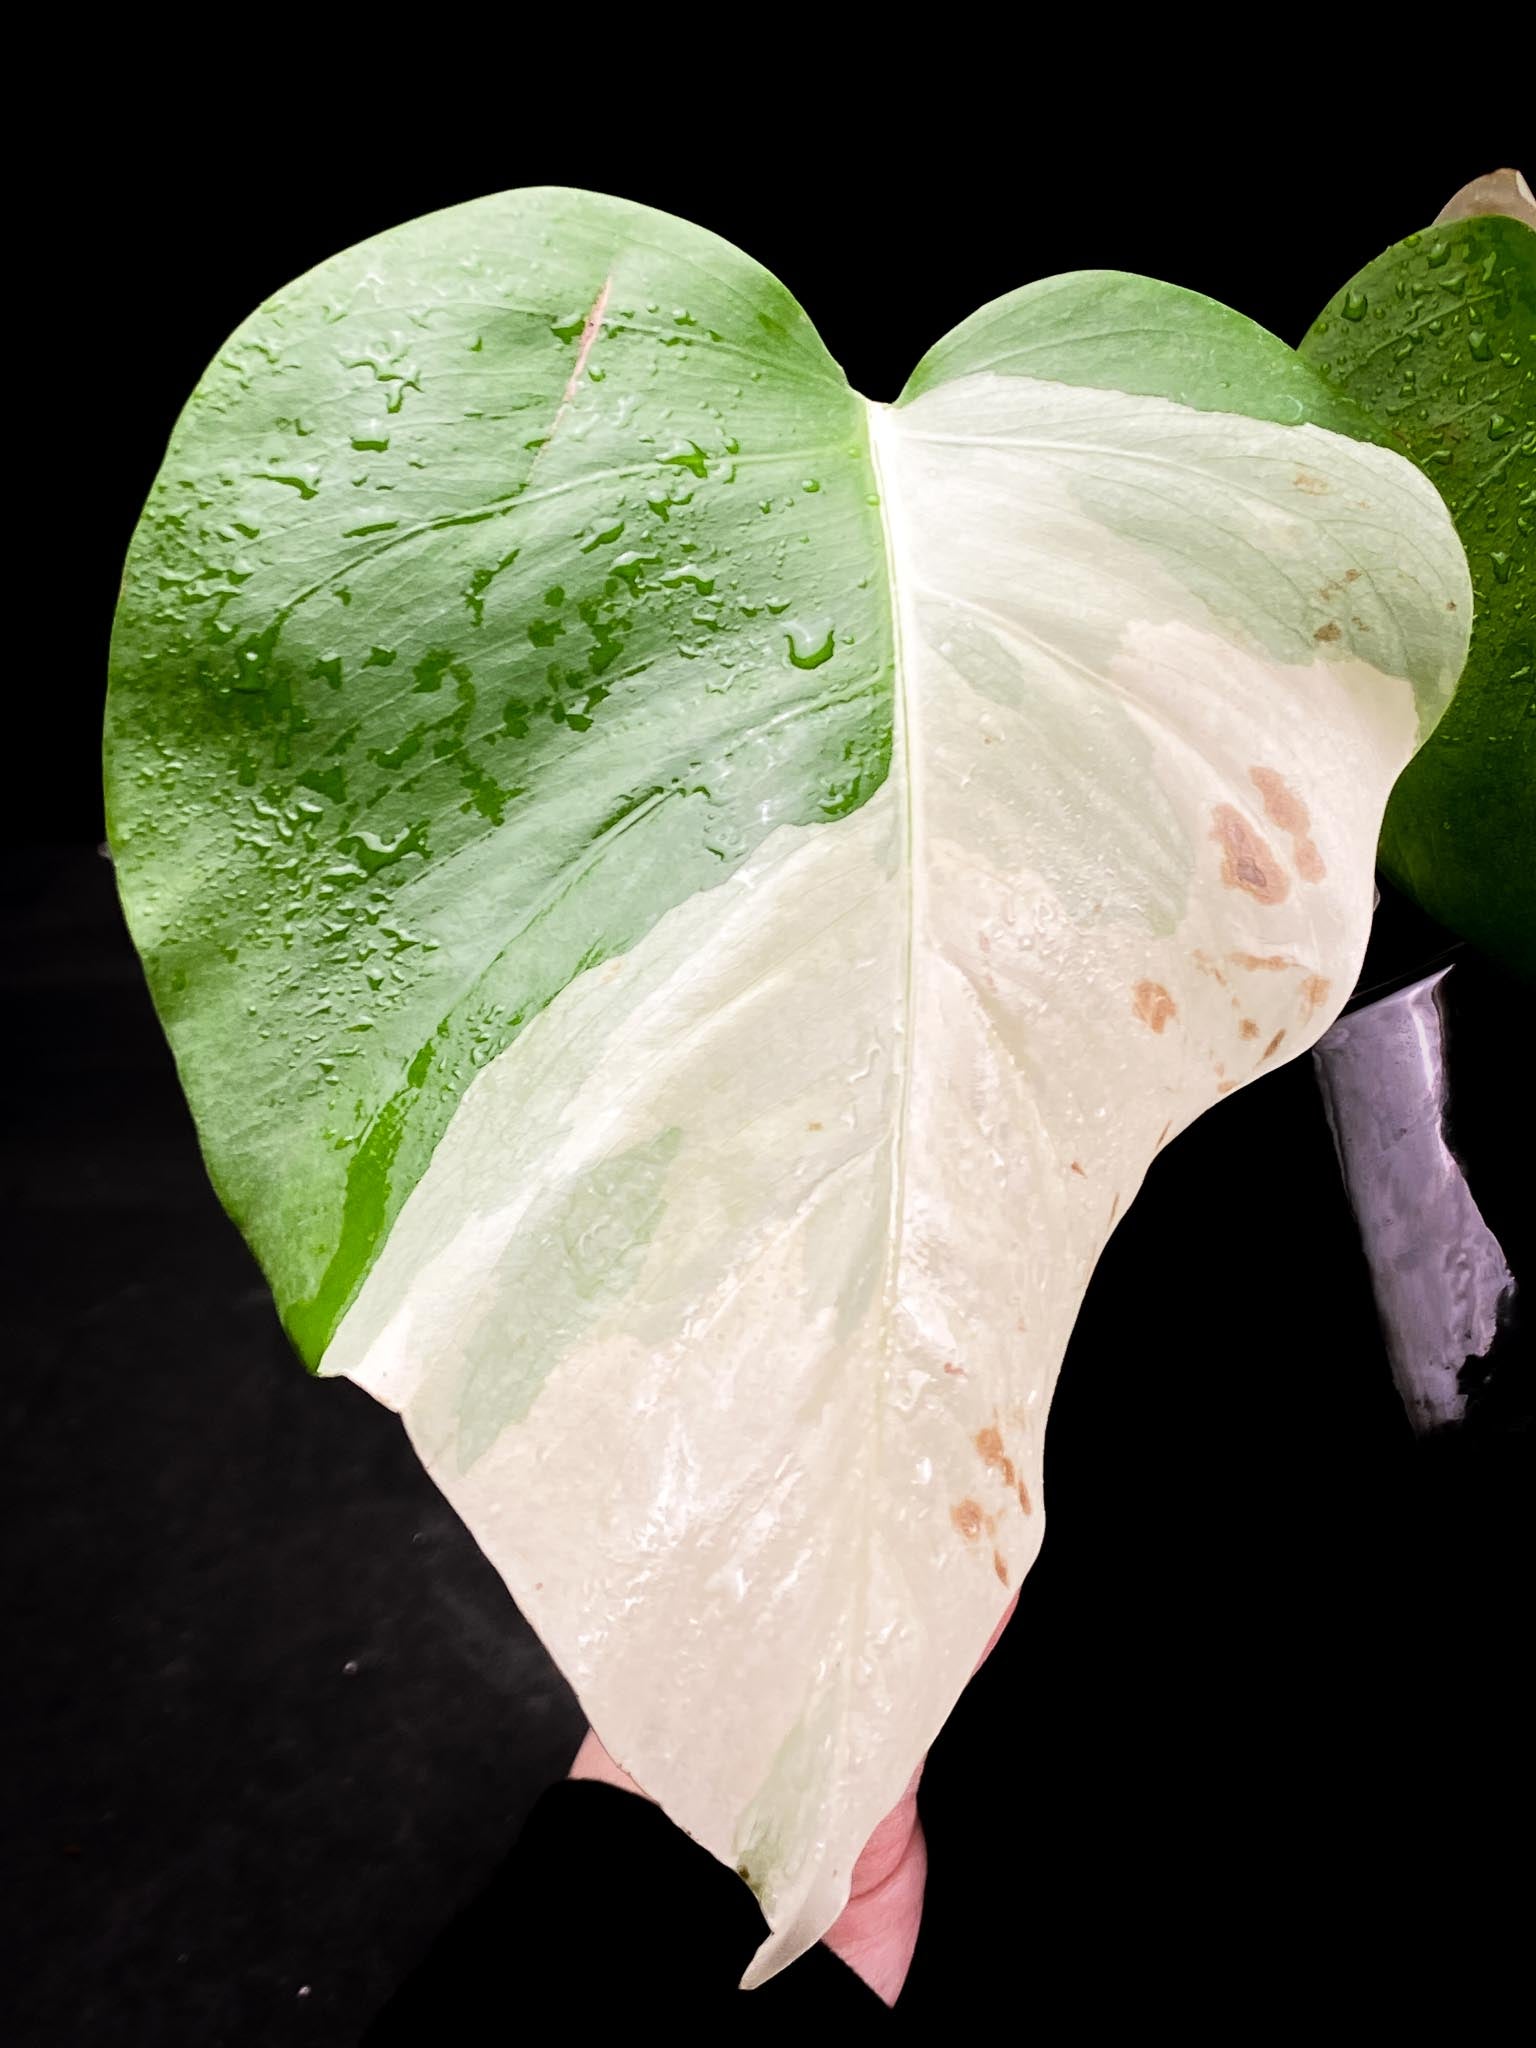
686 901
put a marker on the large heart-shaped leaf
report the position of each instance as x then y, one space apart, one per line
1437 341
686 902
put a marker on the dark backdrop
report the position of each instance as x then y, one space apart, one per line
1250 1738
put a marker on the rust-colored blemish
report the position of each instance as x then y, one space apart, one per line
955 1371
1248 1029
1314 486
1274 1045
1351 575
999 1566
1246 861
1153 1005
1450 604
813 1127
1208 966
1261 963
1314 992
589 332
1225 1087
966 1516
1284 808
1077 1169
1024 1500
1330 631
989 1446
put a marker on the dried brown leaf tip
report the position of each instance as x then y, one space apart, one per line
1503 192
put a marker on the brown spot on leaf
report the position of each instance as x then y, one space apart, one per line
1153 1005
1225 1087
1258 963
1248 1029
813 1127
1000 1566
1078 1171
1351 575
966 1517
1114 1207
1314 992
955 1371
1284 808
1208 966
989 1444
1330 631
1024 1500
1246 861
1274 1045
1450 604
1314 486
1167 1127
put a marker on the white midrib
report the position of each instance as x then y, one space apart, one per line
905 740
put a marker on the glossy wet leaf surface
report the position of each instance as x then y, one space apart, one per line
1437 341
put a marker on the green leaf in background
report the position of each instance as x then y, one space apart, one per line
686 902
1436 340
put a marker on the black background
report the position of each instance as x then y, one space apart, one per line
1249 1744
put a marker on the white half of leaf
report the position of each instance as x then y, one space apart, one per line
728 1312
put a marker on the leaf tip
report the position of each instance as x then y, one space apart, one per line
1504 192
